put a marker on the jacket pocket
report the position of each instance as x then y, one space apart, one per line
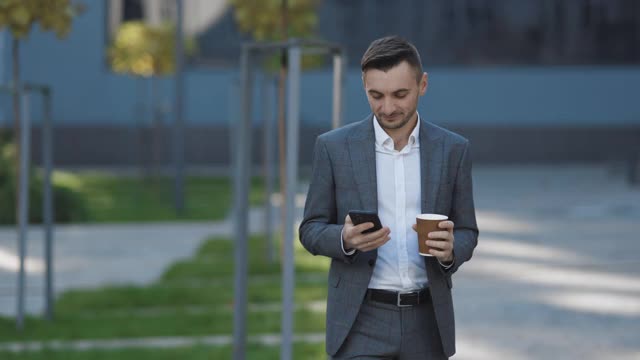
334 281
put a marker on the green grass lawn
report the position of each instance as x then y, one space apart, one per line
131 199
193 297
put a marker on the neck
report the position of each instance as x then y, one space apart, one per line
401 136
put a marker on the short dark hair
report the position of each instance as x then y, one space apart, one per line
389 51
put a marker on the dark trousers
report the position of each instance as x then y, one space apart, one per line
385 331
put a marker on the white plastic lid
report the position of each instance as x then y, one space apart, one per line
432 217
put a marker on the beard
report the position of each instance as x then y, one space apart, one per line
396 124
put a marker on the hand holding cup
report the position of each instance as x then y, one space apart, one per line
435 236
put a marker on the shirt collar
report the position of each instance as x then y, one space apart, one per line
382 138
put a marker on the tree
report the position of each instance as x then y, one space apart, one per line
147 51
263 19
270 20
19 16
141 49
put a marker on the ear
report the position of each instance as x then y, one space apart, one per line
424 83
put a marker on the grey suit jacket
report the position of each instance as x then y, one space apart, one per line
344 178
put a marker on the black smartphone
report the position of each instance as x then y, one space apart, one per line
361 216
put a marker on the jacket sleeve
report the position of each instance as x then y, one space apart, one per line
463 213
320 230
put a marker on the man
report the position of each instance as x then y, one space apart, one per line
385 301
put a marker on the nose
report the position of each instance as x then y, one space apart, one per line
386 106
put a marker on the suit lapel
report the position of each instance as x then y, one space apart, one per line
431 160
363 162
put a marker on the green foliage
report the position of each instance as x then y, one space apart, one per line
263 20
69 205
53 15
145 50
112 198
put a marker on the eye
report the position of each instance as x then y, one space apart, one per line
377 96
401 95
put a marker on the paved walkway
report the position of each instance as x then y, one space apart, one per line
472 350
96 255
556 273
154 342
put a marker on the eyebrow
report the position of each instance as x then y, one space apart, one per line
376 92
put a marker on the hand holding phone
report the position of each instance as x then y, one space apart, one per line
360 217
358 235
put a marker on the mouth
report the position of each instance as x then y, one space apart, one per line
390 117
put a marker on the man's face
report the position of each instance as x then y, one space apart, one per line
393 95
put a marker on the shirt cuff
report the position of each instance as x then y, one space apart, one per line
446 267
352 251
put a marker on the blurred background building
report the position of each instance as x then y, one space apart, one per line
528 81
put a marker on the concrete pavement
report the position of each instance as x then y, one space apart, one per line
556 274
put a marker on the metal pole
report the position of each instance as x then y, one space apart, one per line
23 204
242 171
47 158
293 115
178 133
269 171
233 102
337 90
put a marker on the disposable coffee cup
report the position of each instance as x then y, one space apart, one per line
427 223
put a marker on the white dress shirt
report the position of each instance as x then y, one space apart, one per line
399 267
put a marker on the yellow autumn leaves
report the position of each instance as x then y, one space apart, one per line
263 19
52 15
146 50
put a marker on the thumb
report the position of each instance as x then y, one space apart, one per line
347 220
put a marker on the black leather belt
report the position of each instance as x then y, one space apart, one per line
400 299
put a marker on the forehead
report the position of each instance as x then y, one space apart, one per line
401 76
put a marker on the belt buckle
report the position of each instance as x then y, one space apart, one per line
399 304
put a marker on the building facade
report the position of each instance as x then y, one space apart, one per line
526 81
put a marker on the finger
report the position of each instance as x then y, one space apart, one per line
439 254
415 227
381 232
347 220
385 231
447 224
445 235
363 227
441 245
361 240
375 244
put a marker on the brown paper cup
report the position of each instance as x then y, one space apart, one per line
427 223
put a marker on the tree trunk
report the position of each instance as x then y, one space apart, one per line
156 132
281 118
281 136
17 96
139 115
